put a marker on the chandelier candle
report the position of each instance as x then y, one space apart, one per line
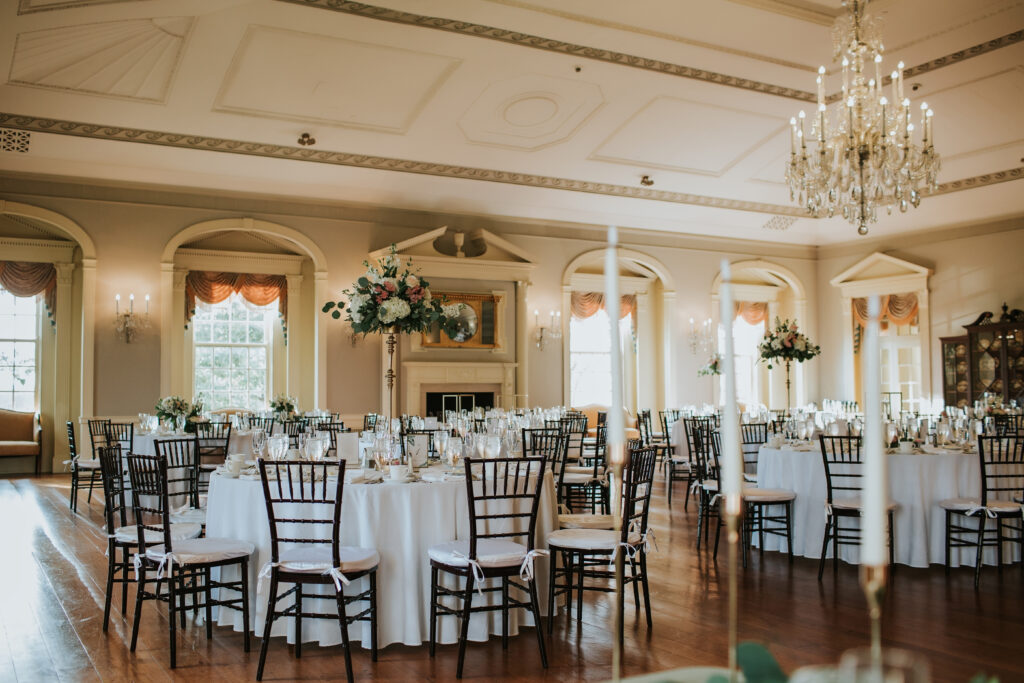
866 157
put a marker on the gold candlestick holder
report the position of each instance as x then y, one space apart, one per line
873 581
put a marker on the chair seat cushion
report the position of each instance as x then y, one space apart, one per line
208 467
578 478
599 540
852 504
709 484
681 463
1003 507
579 469
83 464
490 552
189 516
750 478
756 495
203 550
179 532
16 448
317 559
585 521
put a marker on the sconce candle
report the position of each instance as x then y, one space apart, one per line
117 304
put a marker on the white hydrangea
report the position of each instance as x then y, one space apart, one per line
452 310
356 302
373 276
393 309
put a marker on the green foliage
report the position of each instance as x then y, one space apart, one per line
785 342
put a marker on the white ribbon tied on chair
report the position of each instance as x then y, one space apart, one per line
167 563
474 566
989 512
265 572
526 568
339 577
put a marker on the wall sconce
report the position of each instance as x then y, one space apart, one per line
700 337
129 323
553 330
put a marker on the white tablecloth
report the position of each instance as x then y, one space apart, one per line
145 444
917 484
401 521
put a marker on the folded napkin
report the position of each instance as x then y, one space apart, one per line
360 477
436 475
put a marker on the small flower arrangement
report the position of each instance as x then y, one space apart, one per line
170 408
786 343
282 404
391 298
712 367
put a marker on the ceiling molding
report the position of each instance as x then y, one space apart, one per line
551 45
199 142
794 9
979 181
963 55
28 7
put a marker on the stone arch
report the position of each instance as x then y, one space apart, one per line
249 224
625 254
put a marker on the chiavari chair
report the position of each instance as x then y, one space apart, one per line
686 468
304 502
293 428
264 423
551 445
844 478
183 567
97 439
83 470
752 436
585 553
212 440
182 472
1001 458
504 496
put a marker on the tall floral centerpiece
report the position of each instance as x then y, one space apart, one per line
390 299
170 408
283 406
712 367
786 343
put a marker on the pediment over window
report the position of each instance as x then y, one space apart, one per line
881 274
473 255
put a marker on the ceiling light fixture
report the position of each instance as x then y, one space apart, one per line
866 156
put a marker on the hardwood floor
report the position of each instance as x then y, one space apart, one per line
53 569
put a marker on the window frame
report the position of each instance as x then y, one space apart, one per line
37 342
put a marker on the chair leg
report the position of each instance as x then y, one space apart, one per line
504 613
343 620
582 566
948 541
208 593
245 605
268 622
982 521
125 570
535 606
789 531
636 588
892 544
999 544
298 621
111 564
92 481
467 606
686 500
718 535
824 547
433 609
835 547
646 588
373 616
700 516
139 590
74 489
552 573
171 581
668 485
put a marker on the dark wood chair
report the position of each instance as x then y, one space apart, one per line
585 553
302 503
551 445
212 442
753 435
182 466
844 482
685 468
1002 473
264 423
182 568
293 428
85 472
500 546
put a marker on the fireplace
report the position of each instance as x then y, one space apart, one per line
490 384
437 402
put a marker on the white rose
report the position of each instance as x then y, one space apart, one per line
393 309
373 276
411 281
452 310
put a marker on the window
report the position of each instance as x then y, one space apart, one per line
19 349
233 350
900 350
590 357
746 338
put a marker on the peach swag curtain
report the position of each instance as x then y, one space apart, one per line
899 309
752 312
26 279
212 288
585 304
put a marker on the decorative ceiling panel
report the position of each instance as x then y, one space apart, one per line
30 6
989 107
132 58
314 78
530 111
672 134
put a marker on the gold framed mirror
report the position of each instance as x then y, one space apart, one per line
479 323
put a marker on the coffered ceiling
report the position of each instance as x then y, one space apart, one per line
546 110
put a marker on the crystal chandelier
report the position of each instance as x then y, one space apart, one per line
861 153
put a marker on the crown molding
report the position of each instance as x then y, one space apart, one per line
243 147
909 240
979 181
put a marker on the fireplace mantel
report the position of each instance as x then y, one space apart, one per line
418 376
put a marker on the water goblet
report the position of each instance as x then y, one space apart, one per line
259 442
891 430
492 447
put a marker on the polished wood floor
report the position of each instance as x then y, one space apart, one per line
52 573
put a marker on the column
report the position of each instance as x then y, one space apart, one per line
668 395
176 334
320 339
62 378
924 335
522 347
86 389
647 354
294 335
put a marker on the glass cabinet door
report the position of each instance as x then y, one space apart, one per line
986 370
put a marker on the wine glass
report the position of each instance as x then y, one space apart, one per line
492 447
381 459
942 433
801 430
891 430
277 446
259 442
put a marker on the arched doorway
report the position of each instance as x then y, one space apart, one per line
248 245
648 366
65 349
773 291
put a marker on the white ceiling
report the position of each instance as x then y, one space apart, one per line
481 121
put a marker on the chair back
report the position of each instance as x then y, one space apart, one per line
148 474
643 423
600 449
121 433
752 436
602 417
1002 468
1007 425
692 427
181 470
575 428
293 428
504 495
637 483
332 429
315 424
709 453
112 475
549 444
213 438
843 466
97 434
301 499
668 418
369 422
264 423
72 444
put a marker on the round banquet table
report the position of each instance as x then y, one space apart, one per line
400 520
145 444
917 484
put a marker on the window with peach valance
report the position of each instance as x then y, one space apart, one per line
28 279
752 312
585 304
212 288
899 309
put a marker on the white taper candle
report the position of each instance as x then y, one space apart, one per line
731 459
616 432
876 483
